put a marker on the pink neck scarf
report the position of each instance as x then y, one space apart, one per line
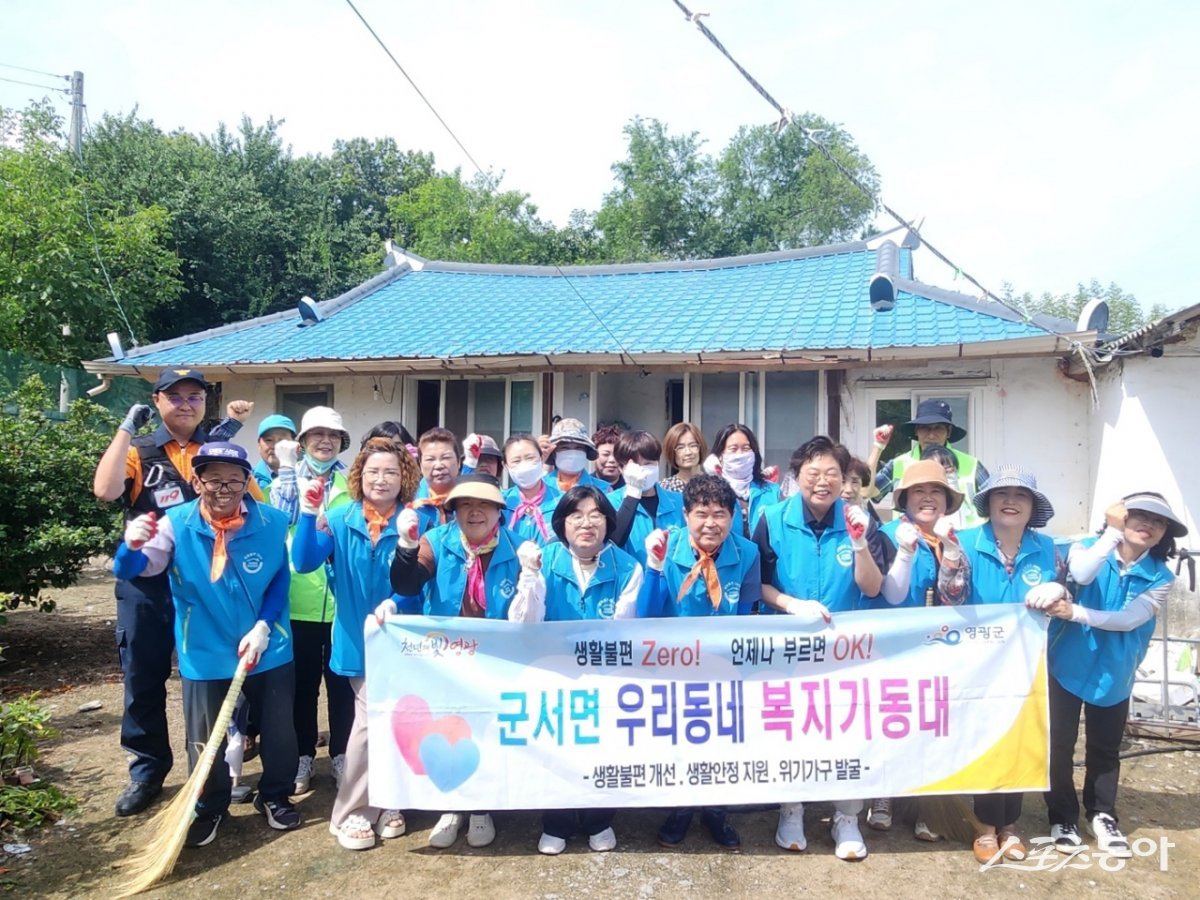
476 591
532 507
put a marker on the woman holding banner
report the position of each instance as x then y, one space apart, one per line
1002 561
583 575
468 567
360 540
1095 646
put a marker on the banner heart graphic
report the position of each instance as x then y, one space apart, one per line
410 718
448 765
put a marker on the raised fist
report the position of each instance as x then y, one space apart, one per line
471 446
137 418
529 555
656 549
312 495
943 528
883 434
287 452
907 536
141 530
407 524
857 521
239 409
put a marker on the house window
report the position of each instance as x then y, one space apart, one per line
294 401
520 412
780 407
891 406
720 402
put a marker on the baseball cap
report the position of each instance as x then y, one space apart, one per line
169 377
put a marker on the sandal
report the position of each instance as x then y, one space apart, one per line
390 824
987 848
356 833
1010 841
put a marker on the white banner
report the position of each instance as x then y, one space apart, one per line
470 714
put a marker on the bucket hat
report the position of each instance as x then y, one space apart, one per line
933 412
1014 476
324 417
926 472
572 431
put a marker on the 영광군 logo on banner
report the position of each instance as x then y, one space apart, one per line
435 643
944 635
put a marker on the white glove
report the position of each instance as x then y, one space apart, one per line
140 530
943 528
807 612
907 537
882 435
312 494
407 525
656 549
471 446
529 603
1043 596
529 555
254 643
857 522
384 610
637 479
287 452
712 465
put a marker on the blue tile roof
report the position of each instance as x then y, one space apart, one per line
810 300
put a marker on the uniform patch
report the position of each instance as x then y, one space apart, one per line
252 563
507 589
1031 575
732 591
845 556
606 608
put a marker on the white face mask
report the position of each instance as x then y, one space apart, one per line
526 474
570 462
738 465
650 472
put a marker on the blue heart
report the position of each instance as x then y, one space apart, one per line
448 765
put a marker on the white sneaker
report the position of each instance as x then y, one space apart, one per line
481 831
847 839
445 832
551 845
790 833
879 816
603 841
1109 838
1065 838
303 776
339 768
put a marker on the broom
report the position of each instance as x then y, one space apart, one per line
155 860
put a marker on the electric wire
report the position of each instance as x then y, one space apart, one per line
35 71
486 177
44 87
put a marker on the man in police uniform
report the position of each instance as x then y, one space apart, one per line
152 473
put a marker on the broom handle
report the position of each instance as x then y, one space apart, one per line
224 717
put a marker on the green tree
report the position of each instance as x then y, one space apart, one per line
50 523
1124 312
64 254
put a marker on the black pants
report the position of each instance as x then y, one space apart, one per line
269 694
563 823
311 643
1102 742
145 641
998 810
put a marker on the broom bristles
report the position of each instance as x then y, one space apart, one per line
157 857
950 816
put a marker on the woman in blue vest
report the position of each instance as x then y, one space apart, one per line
1000 561
227 561
737 459
580 576
1095 646
642 505
531 501
820 557
359 541
468 567
703 569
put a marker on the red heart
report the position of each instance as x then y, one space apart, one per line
410 719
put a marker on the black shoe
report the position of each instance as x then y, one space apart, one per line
675 828
281 815
241 793
722 832
202 831
136 797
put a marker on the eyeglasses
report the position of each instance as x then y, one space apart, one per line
815 476
381 475
213 485
592 518
178 400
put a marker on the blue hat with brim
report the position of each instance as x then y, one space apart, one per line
1012 476
221 452
276 421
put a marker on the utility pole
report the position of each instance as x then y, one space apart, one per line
76 135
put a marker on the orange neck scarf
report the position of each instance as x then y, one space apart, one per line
706 566
222 528
376 521
436 500
566 482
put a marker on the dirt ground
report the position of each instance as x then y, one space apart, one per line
70 656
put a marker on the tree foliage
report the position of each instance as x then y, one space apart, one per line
50 522
1124 312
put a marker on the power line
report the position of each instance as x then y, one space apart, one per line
35 71
45 87
487 178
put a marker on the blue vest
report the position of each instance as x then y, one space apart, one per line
809 567
263 475
668 515
1095 665
526 529
738 569
444 592
212 618
763 495
1037 563
361 581
564 600
551 479
923 575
